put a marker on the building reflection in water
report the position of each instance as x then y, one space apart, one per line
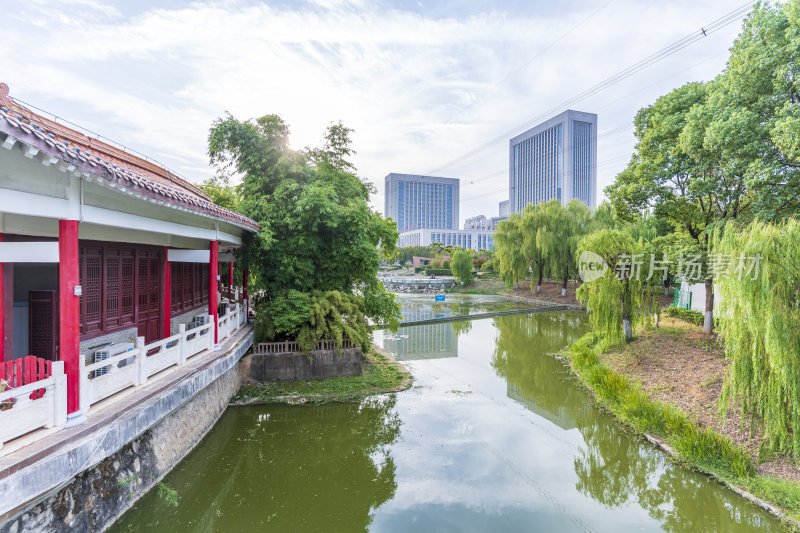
427 341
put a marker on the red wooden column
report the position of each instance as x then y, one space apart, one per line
212 284
230 275
167 292
69 312
2 308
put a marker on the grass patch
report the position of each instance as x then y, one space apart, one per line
701 448
379 374
710 382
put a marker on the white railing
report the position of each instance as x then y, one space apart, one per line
136 366
230 321
22 414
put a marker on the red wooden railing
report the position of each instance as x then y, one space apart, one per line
24 371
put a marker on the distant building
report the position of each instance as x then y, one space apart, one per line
494 221
418 261
504 208
465 238
479 222
556 159
422 202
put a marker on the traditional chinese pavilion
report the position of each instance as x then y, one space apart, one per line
100 247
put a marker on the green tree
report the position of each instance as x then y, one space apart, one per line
461 265
757 132
317 234
759 311
508 242
531 221
620 300
677 174
558 235
221 192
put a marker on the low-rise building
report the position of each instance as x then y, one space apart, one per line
465 238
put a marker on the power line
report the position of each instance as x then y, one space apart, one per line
650 60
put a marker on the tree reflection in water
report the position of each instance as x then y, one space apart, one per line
614 467
282 468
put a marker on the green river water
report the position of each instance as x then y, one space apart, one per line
495 435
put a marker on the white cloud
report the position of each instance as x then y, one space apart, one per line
419 90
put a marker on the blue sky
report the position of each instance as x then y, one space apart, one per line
422 83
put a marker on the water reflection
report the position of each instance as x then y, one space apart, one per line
495 436
613 467
294 468
428 341
414 308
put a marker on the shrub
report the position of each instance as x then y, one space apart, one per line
688 315
438 271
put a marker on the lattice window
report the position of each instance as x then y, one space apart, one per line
112 287
92 282
127 284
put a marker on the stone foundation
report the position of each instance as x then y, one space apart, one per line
288 366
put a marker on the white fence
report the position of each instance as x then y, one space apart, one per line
136 366
22 414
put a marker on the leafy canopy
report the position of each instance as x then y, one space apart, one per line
318 236
461 265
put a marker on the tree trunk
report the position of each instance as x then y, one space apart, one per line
626 321
708 322
539 285
564 285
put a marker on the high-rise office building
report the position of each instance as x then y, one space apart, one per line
504 208
422 202
556 159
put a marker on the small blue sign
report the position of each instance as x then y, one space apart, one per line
440 297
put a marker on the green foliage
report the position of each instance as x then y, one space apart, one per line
688 315
221 192
461 265
318 235
309 317
759 314
622 299
542 240
169 495
431 271
559 230
700 447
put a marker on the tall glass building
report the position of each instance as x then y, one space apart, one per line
556 159
422 202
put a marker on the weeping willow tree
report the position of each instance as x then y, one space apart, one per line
508 244
531 224
622 299
759 315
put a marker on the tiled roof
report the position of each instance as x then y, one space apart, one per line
110 162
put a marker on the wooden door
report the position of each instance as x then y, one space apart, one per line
148 291
43 324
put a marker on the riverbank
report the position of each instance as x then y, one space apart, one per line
666 384
550 292
380 374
